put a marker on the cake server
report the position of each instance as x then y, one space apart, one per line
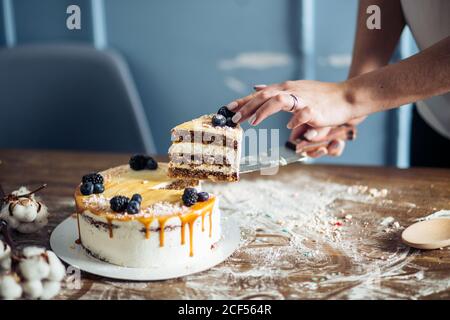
293 151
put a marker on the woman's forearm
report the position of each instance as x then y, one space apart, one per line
419 77
373 48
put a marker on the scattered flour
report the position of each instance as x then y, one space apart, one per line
304 232
312 238
374 192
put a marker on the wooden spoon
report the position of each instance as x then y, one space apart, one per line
429 234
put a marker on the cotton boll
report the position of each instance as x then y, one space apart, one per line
25 210
50 289
35 268
33 289
5 257
25 214
57 269
5 264
9 288
32 251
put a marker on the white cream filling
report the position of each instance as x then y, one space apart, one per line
207 150
129 247
187 147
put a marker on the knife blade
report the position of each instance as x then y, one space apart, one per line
293 151
275 157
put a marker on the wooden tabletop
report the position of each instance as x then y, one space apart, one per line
308 232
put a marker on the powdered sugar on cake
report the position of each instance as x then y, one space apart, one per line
165 208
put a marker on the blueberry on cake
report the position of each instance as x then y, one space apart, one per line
208 147
134 215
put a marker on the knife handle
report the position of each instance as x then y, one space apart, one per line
343 132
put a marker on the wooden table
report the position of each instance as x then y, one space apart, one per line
334 247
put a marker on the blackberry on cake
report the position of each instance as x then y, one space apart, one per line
230 123
119 203
201 150
94 178
190 197
224 111
138 162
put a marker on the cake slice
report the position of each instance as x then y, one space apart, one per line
208 147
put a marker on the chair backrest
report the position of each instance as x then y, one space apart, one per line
70 97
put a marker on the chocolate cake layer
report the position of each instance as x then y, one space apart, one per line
202 174
182 184
99 224
203 137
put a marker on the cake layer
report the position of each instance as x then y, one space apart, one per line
215 173
193 136
203 151
156 242
184 152
228 170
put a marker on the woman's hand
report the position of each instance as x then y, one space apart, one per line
319 104
334 148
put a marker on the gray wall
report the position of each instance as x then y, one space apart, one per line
177 51
190 57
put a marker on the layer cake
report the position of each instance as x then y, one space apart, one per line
161 231
202 149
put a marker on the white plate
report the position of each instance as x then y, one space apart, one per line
63 244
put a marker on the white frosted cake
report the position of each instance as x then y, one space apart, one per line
208 147
141 218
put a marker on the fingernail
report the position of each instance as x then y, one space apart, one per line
259 86
289 125
236 117
252 119
232 105
310 134
335 144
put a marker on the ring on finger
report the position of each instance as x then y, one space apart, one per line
295 102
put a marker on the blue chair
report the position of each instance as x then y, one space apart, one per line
71 97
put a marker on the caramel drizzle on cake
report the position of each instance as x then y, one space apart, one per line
201 209
122 180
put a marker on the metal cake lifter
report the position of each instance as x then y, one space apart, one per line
294 151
